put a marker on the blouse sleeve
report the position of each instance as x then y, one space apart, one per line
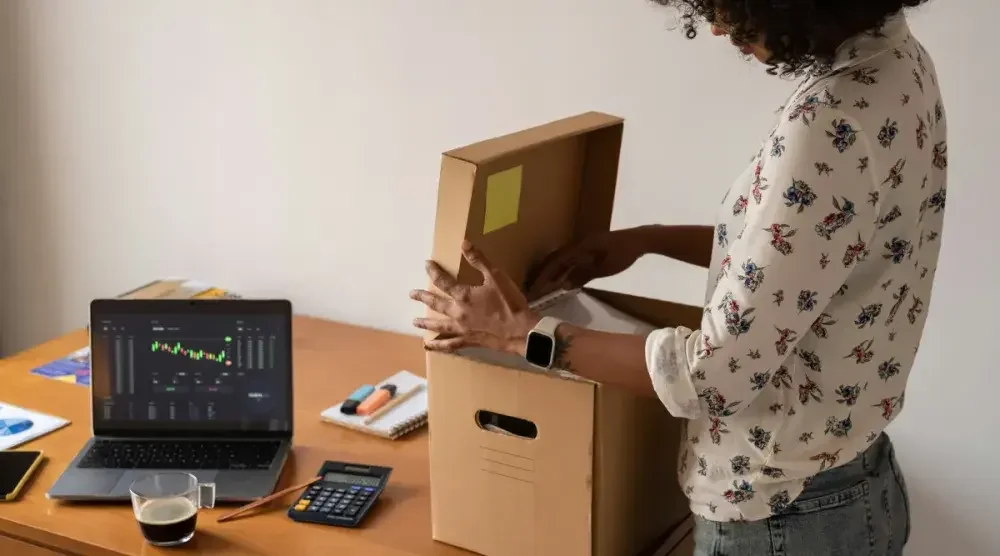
810 218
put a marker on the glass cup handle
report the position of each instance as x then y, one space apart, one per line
206 495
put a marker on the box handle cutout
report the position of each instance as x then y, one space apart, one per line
506 425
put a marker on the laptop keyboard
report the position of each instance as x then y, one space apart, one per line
113 454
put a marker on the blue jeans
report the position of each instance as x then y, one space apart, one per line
860 508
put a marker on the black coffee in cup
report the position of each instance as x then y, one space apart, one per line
168 521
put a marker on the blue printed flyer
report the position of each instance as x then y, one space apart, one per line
74 368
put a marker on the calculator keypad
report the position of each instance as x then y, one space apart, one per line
336 501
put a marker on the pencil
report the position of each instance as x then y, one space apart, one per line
267 499
400 398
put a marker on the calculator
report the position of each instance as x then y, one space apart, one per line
344 495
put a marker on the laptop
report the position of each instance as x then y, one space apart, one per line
200 386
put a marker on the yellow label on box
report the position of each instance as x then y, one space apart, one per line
211 293
503 195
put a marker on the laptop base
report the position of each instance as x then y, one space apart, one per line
112 485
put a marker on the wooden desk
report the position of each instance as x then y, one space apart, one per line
330 361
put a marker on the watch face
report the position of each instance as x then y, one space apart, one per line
539 349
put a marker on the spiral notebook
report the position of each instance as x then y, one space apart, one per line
409 415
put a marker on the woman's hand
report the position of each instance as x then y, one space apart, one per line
493 315
597 256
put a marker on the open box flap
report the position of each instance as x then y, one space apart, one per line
521 196
491 149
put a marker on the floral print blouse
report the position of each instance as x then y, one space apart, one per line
824 259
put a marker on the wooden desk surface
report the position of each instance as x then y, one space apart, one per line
330 361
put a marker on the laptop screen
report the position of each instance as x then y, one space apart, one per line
189 368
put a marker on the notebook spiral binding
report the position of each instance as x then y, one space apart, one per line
408 426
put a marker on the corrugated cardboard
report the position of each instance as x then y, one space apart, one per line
679 542
528 463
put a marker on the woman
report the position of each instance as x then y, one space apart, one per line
822 261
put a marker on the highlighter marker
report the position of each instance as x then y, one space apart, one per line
350 405
377 399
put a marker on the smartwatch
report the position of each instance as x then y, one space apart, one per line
540 348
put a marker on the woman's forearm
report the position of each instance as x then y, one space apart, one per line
604 357
690 244
620 359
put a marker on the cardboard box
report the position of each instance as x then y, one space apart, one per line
679 542
530 463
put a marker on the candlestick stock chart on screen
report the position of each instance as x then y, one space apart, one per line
188 368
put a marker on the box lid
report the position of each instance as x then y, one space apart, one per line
521 196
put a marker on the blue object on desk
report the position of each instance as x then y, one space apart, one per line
350 405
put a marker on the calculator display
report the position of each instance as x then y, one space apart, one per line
344 478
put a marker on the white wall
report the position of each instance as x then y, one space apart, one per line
291 149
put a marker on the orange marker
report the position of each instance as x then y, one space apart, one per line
377 399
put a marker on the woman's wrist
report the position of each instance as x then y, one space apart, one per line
516 335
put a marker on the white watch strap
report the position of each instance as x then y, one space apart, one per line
547 326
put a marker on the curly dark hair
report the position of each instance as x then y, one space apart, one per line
799 34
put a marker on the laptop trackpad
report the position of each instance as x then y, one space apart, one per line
245 483
125 482
87 481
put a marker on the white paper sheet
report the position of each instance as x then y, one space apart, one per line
19 425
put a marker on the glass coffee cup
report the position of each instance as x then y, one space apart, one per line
166 506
